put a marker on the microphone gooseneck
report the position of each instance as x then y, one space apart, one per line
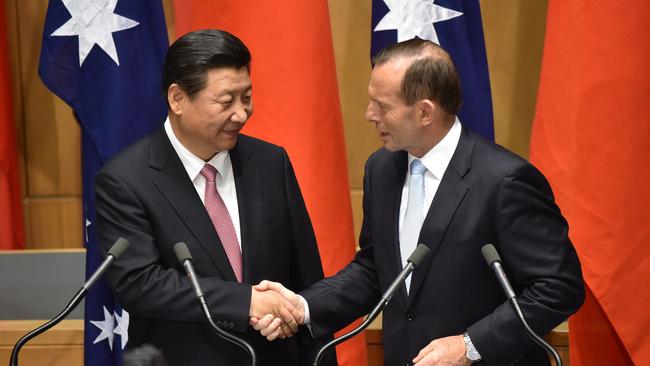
185 258
416 258
494 261
115 252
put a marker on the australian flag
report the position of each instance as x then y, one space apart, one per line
456 26
104 58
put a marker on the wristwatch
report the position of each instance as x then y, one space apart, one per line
471 354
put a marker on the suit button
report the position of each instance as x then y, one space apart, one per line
410 317
219 323
231 325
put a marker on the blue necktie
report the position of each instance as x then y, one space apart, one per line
413 218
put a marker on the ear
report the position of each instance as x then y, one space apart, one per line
426 111
176 96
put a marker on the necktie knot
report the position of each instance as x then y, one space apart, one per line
417 168
209 172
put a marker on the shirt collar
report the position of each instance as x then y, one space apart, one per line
192 163
437 159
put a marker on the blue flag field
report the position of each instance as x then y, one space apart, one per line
456 26
104 58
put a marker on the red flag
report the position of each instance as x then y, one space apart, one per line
296 106
11 215
591 137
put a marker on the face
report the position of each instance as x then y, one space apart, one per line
210 121
393 119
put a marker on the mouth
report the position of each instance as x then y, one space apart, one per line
231 133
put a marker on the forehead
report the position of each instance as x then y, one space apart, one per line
228 79
386 79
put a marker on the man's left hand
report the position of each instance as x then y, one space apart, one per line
448 351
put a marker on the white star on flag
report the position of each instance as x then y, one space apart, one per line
106 326
122 327
413 18
94 22
88 223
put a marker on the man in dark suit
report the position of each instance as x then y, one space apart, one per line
435 182
233 199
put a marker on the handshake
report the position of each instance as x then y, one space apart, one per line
275 311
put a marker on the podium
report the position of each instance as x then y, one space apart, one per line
35 286
558 338
59 346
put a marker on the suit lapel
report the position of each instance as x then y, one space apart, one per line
450 194
174 184
249 192
392 197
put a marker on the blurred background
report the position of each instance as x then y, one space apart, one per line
48 136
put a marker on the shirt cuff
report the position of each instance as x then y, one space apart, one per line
306 307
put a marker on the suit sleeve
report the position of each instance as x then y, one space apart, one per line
540 261
306 267
339 300
140 282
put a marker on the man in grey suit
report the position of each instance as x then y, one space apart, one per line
436 182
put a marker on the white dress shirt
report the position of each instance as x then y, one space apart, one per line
436 161
225 185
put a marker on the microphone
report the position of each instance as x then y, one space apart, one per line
494 261
185 259
116 250
416 258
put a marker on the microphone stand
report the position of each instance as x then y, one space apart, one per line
227 336
532 335
494 261
414 260
116 250
185 259
68 309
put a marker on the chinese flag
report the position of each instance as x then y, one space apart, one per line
591 138
297 107
11 219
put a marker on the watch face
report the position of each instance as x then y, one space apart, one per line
472 355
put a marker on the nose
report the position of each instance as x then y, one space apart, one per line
240 113
371 114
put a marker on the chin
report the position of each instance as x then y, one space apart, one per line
226 145
391 147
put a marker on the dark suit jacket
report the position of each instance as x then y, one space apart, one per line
487 195
145 195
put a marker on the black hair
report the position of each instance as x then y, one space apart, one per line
190 57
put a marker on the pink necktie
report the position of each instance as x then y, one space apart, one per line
221 220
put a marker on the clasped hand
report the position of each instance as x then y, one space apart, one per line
276 312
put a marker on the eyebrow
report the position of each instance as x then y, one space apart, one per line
245 89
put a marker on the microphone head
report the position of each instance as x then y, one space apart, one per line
182 253
418 255
490 254
118 248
